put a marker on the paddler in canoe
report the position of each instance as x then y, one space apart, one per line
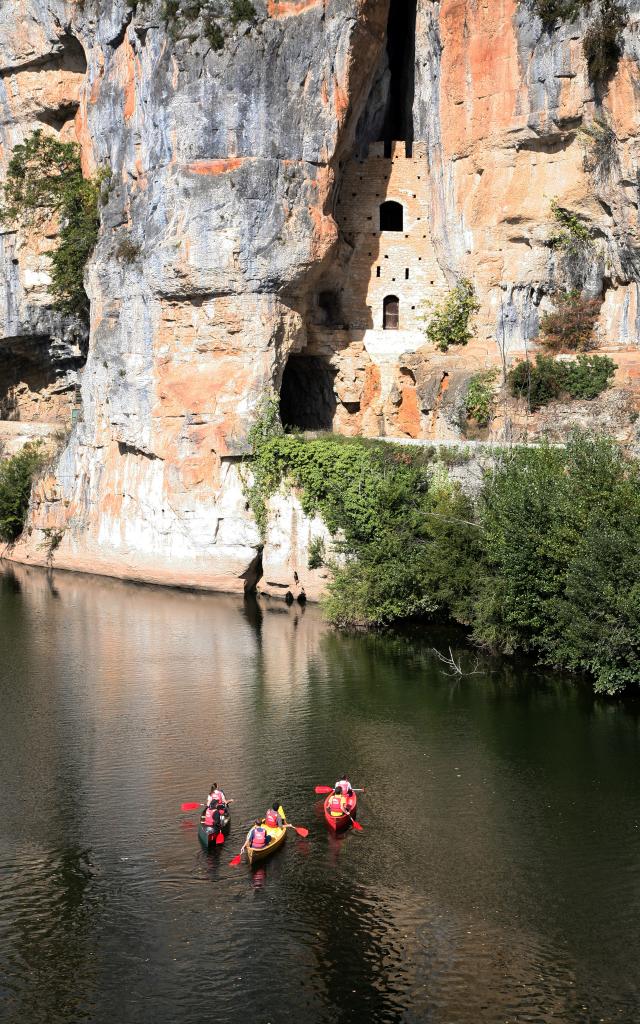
215 818
341 805
267 835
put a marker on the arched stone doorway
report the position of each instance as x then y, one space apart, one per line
391 313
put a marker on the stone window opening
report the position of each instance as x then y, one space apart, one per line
401 58
377 271
406 274
391 313
391 216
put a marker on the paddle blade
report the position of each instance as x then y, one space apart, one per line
304 832
356 825
219 839
190 807
324 789
235 861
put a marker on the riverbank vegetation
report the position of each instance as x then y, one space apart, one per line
544 561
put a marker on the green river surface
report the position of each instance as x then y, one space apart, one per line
496 879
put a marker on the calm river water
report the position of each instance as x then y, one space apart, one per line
497 878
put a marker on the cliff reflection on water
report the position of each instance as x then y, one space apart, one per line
499 881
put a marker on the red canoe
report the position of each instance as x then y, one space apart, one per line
338 822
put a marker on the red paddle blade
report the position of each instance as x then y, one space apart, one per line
324 789
356 825
236 860
219 839
304 832
190 807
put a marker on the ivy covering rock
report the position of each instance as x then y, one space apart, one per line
45 180
545 561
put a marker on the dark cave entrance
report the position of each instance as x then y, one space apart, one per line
307 398
401 51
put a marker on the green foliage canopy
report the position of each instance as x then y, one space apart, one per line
561 538
546 561
585 377
16 476
480 397
449 321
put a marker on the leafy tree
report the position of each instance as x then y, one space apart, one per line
16 476
561 535
449 322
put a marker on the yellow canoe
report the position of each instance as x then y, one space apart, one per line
278 836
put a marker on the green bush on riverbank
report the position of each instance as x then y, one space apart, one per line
561 560
546 561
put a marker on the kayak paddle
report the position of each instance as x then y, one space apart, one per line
329 789
304 832
355 824
236 860
190 807
219 839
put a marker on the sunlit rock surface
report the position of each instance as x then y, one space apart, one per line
241 243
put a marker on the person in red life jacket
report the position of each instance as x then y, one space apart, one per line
344 785
214 817
273 818
216 796
337 803
258 836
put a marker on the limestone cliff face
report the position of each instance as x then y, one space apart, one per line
246 191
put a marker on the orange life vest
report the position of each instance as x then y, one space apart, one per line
259 838
271 818
336 806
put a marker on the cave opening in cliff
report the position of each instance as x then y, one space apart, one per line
307 397
401 54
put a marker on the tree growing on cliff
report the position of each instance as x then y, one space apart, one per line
449 322
44 181
570 327
16 477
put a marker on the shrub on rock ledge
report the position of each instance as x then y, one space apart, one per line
571 325
549 379
16 477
